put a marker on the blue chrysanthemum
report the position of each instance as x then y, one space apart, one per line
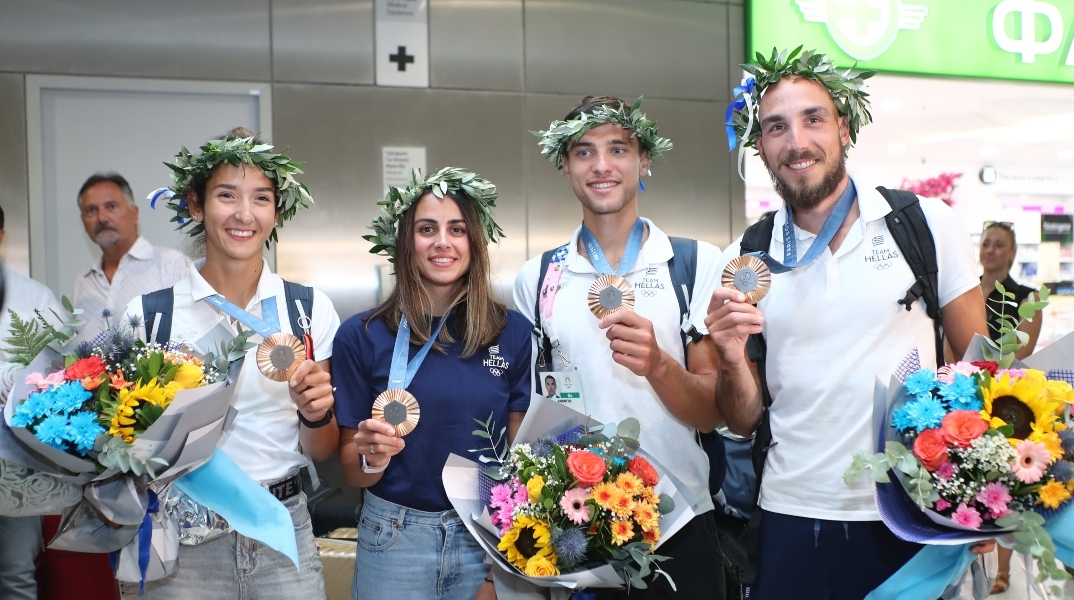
84 430
1067 437
69 397
619 461
542 447
53 430
570 546
921 381
31 409
900 420
966 403
961 392
925 413
1063 471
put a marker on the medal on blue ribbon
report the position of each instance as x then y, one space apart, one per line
279 354
751 273
611 291
396 406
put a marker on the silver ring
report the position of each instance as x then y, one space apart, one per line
371 450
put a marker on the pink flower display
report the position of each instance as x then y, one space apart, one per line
573 504
1031 460
942 186
947 373
995 496
501 496
967 516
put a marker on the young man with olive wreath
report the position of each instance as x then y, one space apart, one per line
413 374
837 315
631 363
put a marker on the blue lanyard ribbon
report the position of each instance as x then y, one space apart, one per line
266 325
824 237
630 254
402 373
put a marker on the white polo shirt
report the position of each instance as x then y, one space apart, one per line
144 268
611 391
264 440
832 328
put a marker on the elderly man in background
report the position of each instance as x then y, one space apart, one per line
20 536
129 266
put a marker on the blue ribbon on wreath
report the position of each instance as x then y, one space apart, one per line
740 103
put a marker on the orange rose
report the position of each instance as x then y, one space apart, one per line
91 368
961 427
643 470
588 468
930 449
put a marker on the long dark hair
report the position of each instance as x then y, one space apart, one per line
478 316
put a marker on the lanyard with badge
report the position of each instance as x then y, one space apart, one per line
279 354
751 273
611 292
395 405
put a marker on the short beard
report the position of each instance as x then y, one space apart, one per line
809 197
106 238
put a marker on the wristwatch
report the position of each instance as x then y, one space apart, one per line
325 420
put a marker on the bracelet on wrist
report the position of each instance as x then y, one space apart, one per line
325 420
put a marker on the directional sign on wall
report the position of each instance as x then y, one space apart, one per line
402 34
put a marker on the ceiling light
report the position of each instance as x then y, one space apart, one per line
893 104
988 150
896 147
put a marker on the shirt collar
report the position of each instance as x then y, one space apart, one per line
200 289
140 250
655 250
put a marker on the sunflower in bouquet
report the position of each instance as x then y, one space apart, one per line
579 501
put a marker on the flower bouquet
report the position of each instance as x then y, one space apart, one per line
113 416
981 449
585 508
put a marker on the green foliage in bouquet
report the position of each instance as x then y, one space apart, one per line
29 337
1011 339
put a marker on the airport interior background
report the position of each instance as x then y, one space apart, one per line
362 93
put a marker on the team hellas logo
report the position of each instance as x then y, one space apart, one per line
496 363
864 29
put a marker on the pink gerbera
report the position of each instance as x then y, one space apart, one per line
967 516
1031 460
573 504
995 496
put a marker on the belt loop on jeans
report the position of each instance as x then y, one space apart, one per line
288 488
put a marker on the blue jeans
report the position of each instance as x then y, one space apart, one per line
407 554
235 567
20 542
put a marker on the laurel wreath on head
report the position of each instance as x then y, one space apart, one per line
844 86
291 195
561 135
481 193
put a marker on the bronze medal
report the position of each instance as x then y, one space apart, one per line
749 275
398 408
610 293
279 355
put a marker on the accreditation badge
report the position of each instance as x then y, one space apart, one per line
565 387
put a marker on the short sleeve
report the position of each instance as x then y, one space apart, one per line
954 251
350 376
324 325
706 279
525 293
517 332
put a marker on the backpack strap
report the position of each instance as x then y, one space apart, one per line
544 350
683 269
304 294
158 305
908 226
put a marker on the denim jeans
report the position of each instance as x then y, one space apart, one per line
20 542
235 567
407 554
